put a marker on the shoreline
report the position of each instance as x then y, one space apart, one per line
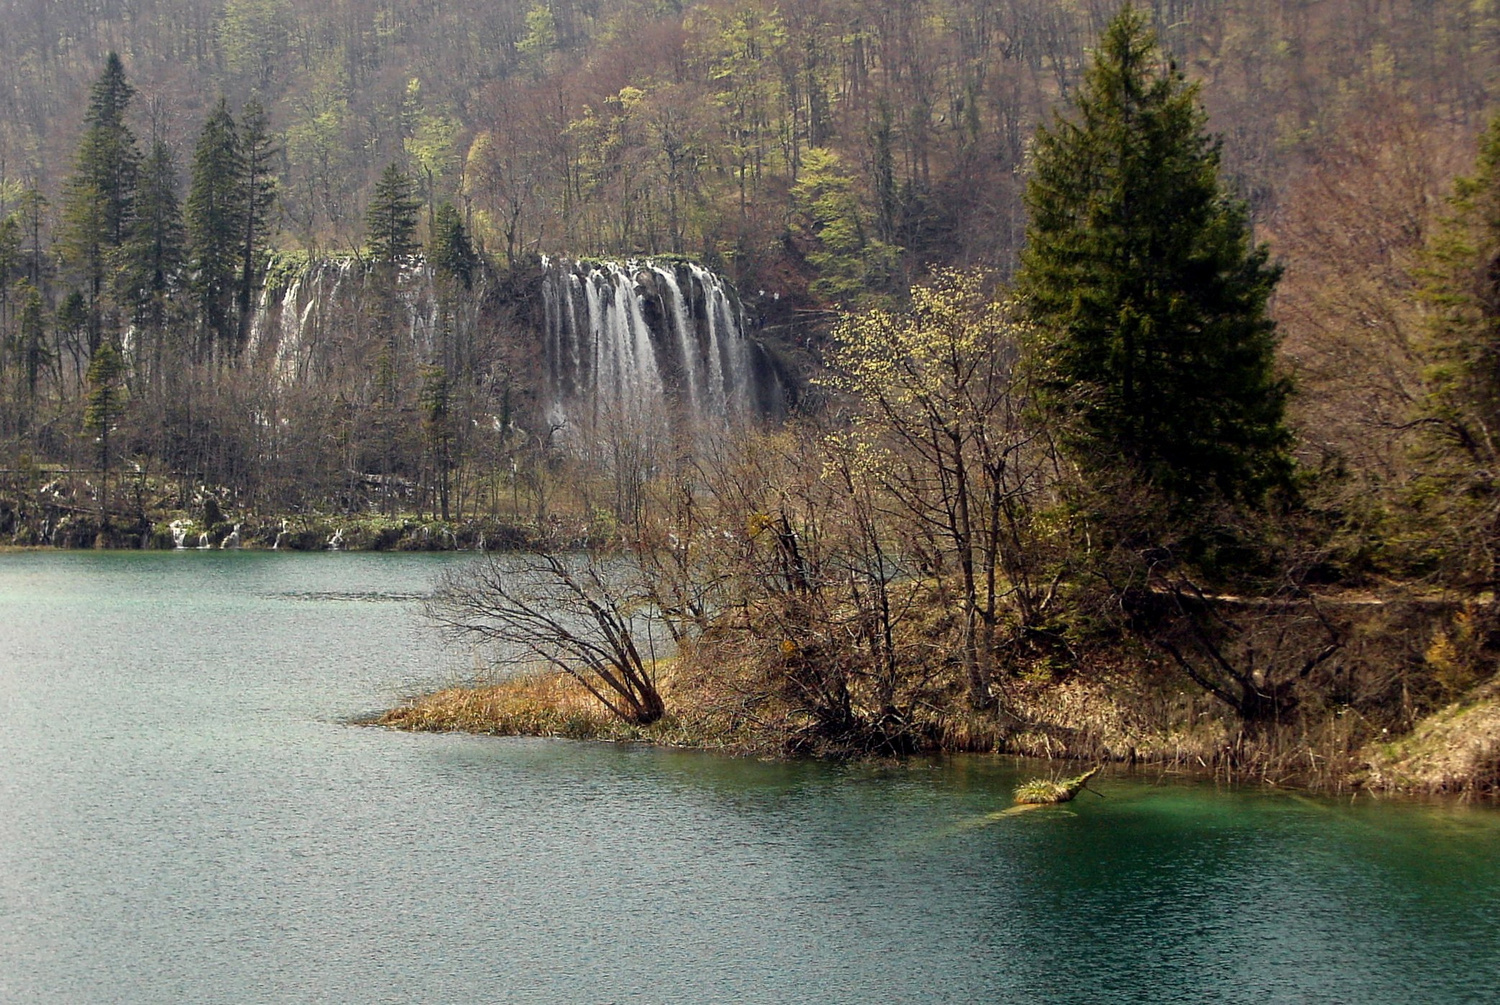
1426 763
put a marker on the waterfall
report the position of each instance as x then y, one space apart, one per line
650 348
179 534
652 344
231 540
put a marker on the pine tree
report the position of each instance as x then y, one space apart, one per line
1460 413
391 218
449 249
258 150
216 227
436 423
1155 354
99 199
153 259
32 353
102 408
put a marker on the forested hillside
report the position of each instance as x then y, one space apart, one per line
822 154
857 139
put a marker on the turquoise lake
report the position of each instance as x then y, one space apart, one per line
186 815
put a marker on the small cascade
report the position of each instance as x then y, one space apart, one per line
336 542
179 535
280 536
203 544
649 344
231 540
309 321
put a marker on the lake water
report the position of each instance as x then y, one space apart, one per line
186 816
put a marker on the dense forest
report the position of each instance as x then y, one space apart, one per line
1163 350
822 155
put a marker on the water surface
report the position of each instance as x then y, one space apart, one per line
185 815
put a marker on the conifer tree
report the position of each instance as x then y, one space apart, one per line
449 249
258 152
216 227
107 156
103 406
32 352
99 199
154 257
1460 413
391 219
1155 354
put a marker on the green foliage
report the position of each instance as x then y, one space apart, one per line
32 349
216 224
850 262
1156 354
258 152
99 199
541 34
106 391
254 36
391 219
153 259
1462 404
104 403
449 250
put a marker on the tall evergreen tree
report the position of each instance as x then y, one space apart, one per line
258 153
103 406
1460 412
216 228
99 199
1155 352
32 352
108 157
153 259
391 218
449 249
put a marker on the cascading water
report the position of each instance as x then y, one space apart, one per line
315 314
649 344
645 348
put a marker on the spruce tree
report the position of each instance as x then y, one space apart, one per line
99 198
153 259
1155 353
107 156
258 187
216 226
391 218
32 352
103 407
449 250
1460 412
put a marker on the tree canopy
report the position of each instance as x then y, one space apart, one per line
1147 294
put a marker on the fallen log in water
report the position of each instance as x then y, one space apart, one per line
1041 791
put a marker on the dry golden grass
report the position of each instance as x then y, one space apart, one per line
1455 750
549 704
554 704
